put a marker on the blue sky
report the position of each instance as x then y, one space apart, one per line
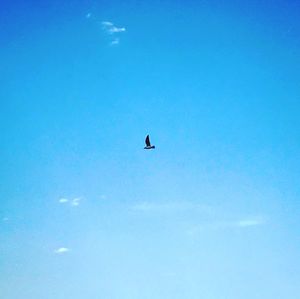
212 212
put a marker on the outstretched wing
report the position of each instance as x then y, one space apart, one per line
147 140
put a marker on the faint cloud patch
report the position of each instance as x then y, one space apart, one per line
61 250
113 31
110 28
197 217
243 223
170 207
75 202
107 24
72 202
5 219
250 222
116 41
224 225
63 200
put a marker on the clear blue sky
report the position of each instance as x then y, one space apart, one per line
212 212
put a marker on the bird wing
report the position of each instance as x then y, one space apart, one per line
147 140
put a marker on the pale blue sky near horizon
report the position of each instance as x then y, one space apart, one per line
212 212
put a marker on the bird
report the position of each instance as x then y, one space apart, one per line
148 144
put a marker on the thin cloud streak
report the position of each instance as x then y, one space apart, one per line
116 41
63 200
61 250
170 207
210 215
106 23
75 202
249 222
225 225
72 202
112 30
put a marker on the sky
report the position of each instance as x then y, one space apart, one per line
213 212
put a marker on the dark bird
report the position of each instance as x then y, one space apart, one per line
148 144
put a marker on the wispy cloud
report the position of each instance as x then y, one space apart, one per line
212 214
170 207
242 223
63 200
72 202
107 24
250 222
75 202
116 41
112 30
115 29
226 225
61 250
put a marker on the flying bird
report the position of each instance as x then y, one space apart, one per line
148 144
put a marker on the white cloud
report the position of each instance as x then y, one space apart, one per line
249 222
116 41
112 30
243 223
61 250
170 207
154 207
106 23
115 29
75 202
225 225
63 200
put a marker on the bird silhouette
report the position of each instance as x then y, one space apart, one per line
148 144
